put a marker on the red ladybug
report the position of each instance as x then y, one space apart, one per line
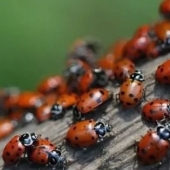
156 110
86 133
52 84
63 103
45 156
30 100
93 78
143 30
123 69
154 146
162 74
7 126
132 90
90 101
16 147
136 47
164 9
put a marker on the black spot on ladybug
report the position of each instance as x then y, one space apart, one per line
42 160
11 160
90 121
92 138
82 108
127 85
39 153
150 134
151 111
122 93
131 66
152 143
167 147
19 149
136 99
90 107
102 92
143 151
139 84
12 147
8 154
128 103
151 103
121 74
76 138
152 157
91 95
51 144
82 101
161 70
16 141
17 155
131 95
74 128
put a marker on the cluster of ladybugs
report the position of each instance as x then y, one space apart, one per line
82 88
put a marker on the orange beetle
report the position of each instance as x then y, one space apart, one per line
7 126
63 103
164 9
132 90
143 30
123 69
86 133
90 101
53 84
30 100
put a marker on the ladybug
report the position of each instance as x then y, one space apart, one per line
84 50
63 103
7 126
156 110
93 78
45 156
164 9
90 102
86 133
162 74
52 84
43 112
136 47
30 100
16 147
132 90
142 31
154 146
123 69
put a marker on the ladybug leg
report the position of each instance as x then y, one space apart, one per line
117 98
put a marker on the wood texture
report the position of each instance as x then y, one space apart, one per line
127 126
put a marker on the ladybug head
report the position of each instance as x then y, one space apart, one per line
76 114
137 75
56 158
28 139
101 128
76 69
101 79
56 111
163 132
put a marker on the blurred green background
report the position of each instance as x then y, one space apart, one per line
35 34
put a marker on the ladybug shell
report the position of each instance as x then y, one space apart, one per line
164 8
38 153
67 100
86 81
152 149
107 64
82 134
13 151
30 100
153 50
92 99
123 69
162 74
136 47
142 31
43 112
130 93
161 30
6 127
52 84
156 110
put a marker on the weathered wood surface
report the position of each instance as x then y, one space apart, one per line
127 125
